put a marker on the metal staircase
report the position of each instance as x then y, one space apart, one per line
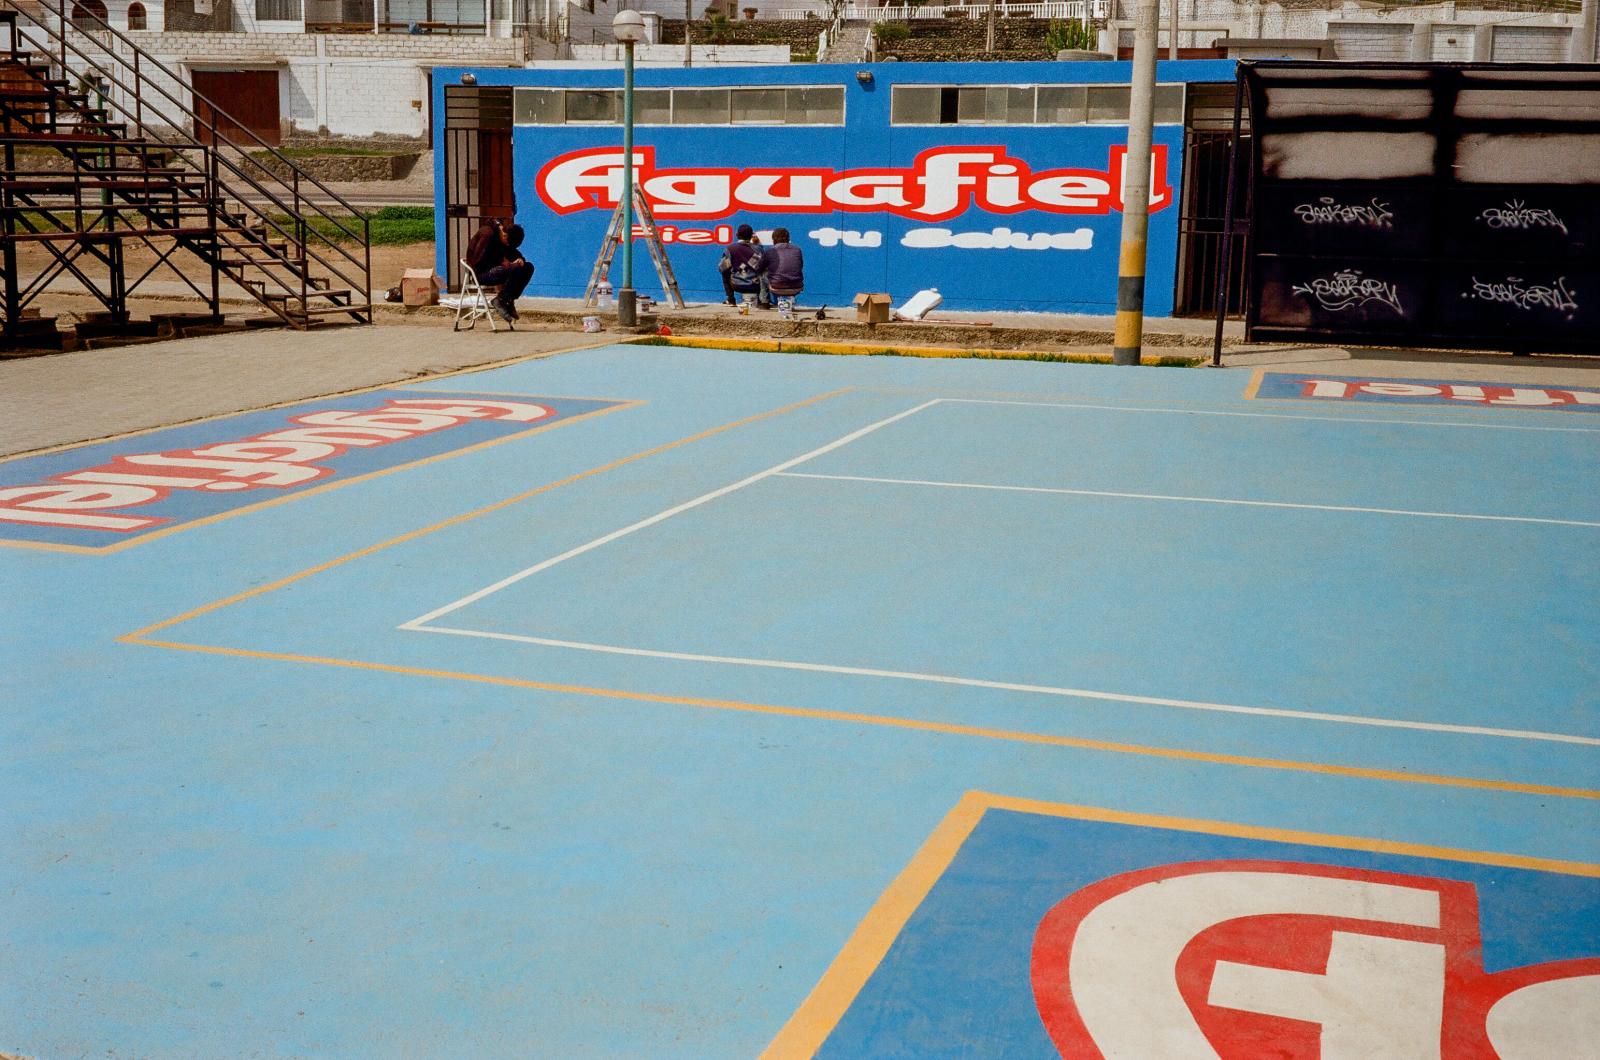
101 150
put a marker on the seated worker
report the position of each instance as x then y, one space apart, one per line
741 267
764 296
785 269
495 257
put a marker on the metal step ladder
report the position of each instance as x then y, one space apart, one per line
613 240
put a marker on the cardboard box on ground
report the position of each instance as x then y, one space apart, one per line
872 308
420 287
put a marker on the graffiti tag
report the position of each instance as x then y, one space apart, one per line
1326 211
1518 215
1514 291
1348 289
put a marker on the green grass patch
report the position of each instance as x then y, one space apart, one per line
392 226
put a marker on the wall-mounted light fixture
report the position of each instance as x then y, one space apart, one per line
864 76
469 79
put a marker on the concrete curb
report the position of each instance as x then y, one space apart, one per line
846 349
924 335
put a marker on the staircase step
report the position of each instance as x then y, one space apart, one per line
278 296
331 310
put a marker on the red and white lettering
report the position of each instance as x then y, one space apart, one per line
1328 388
64 505
1401 390
236 474
941 183
1215 959
479 408
1526 396
276 459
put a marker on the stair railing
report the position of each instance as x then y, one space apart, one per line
61 43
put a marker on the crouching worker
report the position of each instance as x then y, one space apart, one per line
496 257
785 268
741 267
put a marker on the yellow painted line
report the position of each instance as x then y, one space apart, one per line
1255 384
833 995
454 520
853 349
341 483
47 546
886 721
397 384
826 1005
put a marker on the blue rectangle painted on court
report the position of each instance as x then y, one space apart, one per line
1070 932
106 494
1337 388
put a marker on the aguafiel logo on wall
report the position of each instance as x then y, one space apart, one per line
941 183
109 494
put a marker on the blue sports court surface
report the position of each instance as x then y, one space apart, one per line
666 702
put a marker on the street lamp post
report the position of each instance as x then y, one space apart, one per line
628 26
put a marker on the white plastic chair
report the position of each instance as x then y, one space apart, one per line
473 304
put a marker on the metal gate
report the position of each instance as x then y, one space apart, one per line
479 180
1203 208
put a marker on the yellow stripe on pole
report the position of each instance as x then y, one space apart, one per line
1132 260
1129 328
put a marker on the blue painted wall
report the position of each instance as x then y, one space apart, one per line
1083 279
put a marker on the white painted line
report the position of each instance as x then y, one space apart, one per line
1193 500
1048 690
1361 419
660 517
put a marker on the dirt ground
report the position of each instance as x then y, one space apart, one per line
164 292
387 262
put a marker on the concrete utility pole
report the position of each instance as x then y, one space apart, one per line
1136 187
1172 32
988 35
688 48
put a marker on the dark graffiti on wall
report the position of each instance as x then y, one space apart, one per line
1430 204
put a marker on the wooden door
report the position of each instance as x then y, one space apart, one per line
246 99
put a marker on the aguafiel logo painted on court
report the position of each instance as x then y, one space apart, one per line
943 182
1299 961
1427 391
99 494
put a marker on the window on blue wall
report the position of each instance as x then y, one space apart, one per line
585 106
810 105
538 106
1024 104
700 106
1108 103
1062 104
815 106
915 105
652 106
758 106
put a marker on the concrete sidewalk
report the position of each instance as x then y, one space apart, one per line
74 397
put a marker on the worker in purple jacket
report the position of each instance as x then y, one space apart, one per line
785 269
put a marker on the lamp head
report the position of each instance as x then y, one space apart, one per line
628 26
469 79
